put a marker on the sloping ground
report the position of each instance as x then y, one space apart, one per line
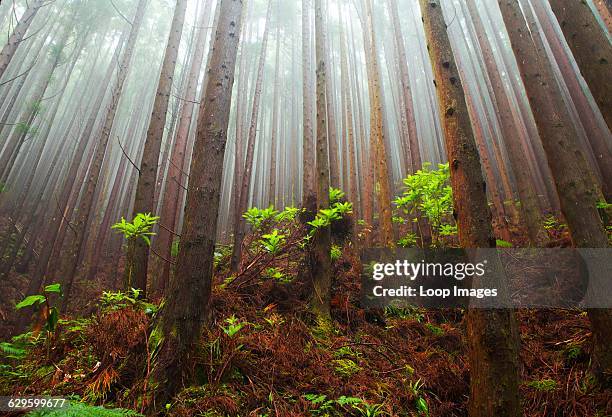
263 357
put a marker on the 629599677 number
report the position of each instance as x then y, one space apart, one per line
27 403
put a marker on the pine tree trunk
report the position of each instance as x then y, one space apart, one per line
350 134
415 152
175 179
492 334
8 51
275 111
145 190
591 48
320 253
377 140
180 322
243 201
309 195
75 252
530 209
575 182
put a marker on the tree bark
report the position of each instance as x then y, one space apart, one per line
591 48
145 190
529 203
578 192
377 140
309 196
175 179
180 322
320 253
275 111
243 201
492 334
413 137
8 51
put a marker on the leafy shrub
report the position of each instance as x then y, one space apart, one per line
322 406
139 228
277 274
41 302
256 217
272 242
427 194
336 211
234 325
409 240
113 301
336 253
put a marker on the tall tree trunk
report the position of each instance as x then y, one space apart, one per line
180 322
8 51
240 228
348 114
578 192
75 251
145 190
492 334
275 111
377 140
413 137
332 132
175 179
593 53
596 138
309 196
529 203
591 48
320 256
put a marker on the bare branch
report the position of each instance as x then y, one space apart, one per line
128 157
120 14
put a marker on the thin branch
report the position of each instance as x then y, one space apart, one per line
168 229
184 99
179 184
64 217
120 14
177 167
128 157
161 257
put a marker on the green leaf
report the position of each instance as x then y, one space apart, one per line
54 288
422 406
31 300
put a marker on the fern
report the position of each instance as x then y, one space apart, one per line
13 351
84 410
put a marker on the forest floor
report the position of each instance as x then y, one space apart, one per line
263 356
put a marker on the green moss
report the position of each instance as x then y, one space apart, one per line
543 385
